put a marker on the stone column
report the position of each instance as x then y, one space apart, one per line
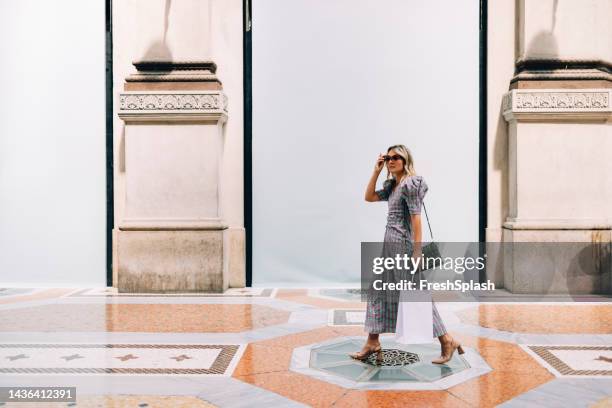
560 149
172 235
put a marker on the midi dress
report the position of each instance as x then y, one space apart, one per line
406 199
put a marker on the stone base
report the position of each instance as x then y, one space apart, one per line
178 261
557 261
236 256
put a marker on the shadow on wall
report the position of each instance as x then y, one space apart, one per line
594 261
544 45
122 149
159 50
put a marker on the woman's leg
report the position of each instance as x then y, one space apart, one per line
372 340
439 330
381 316
371 346
448 345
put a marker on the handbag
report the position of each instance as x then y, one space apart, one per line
414 317
430 251
415 308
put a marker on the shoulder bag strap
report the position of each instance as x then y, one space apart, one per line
427 218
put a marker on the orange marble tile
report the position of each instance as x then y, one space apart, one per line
163 318
259 359
351 331
301 296
514 372
579 319
297 387
496 387
603 403
121 401
212 318
392 399
282 293
510 376
507 358
327 303
44 294
275 354
292 341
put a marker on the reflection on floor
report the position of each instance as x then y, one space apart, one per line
403 366
399 362
289 347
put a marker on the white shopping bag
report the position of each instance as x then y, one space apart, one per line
414 317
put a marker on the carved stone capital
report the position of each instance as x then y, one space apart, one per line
590 104
172 105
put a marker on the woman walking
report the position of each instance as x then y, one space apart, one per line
404 190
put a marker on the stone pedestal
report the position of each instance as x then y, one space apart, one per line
549 146
172 236
560 190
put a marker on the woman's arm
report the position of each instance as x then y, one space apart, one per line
370 193
417 234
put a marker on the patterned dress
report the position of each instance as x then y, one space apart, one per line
406 199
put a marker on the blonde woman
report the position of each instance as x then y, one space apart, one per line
404 190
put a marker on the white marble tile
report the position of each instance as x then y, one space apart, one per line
300 357
300 363
316 316
585 359
103 357
563 393
111 385
355 317
117 337
129 359
241 397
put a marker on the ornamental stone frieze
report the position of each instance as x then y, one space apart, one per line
558 188
169 90
591 103
171 101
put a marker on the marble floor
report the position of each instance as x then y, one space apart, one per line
269 347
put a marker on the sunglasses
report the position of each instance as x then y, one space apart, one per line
394 157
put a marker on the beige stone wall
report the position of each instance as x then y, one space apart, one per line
565 29
501 54
186 30
549 157
194 30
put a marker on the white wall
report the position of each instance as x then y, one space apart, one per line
335 82
52 143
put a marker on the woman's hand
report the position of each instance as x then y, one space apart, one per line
416 255
415 220
370 194
380 163
417 252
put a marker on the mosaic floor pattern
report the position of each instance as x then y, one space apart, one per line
129 317
77 359
576 360
267 347
119 401
400 362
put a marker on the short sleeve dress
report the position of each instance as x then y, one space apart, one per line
406 199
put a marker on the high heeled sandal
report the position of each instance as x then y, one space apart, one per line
363 355
445 358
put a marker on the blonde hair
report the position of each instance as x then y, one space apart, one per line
408 161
